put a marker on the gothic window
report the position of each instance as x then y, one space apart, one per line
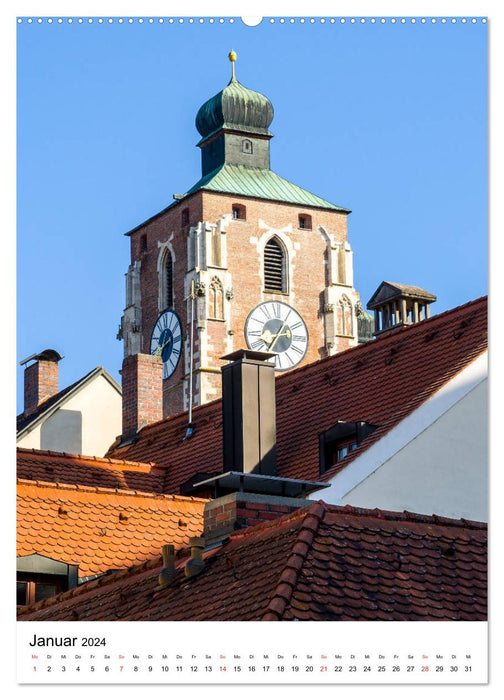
143 243
216 299
239 212
185 217
275 266
167 281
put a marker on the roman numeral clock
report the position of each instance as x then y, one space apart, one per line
166 341
274 326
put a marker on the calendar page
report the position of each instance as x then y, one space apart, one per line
252 348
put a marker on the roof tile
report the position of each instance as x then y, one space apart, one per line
92 533
252 576
359 384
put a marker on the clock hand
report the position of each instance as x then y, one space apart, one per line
268 337
160 348
277 336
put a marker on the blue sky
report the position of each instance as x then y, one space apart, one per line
388 120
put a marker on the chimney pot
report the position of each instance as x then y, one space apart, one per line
168 572
195 565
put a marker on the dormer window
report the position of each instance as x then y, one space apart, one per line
39 577
339 441
239 212
304 221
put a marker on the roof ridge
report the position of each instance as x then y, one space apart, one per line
289 575
103 490
89 458
406 516
265 525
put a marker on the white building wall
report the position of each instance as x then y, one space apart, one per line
442 471
31 441
87 423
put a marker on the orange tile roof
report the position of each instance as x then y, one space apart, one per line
61 467
320 563
101 528
380 382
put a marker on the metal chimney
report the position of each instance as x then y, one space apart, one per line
248 412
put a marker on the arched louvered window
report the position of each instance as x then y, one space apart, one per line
275 266
168 280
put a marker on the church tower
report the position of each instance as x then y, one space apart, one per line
243 259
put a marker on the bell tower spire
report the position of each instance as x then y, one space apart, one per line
234 125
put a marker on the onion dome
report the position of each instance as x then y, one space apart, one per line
235 107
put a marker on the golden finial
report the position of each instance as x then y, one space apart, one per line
232 58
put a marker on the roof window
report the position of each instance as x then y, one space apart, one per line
339 441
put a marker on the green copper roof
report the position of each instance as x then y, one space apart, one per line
260 183
235 107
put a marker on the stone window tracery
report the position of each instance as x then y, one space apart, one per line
216 299
345 317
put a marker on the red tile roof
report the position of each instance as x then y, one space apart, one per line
320 563
60 467
380 382
101 528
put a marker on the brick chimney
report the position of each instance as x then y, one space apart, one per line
239 510
40 378
142 392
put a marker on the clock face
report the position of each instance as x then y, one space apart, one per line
166 341
276 327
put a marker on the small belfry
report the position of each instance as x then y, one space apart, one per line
243 259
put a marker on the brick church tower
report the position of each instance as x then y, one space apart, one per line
254 260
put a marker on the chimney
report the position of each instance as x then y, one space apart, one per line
142 392
40 379
396 305
249 492
248 413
